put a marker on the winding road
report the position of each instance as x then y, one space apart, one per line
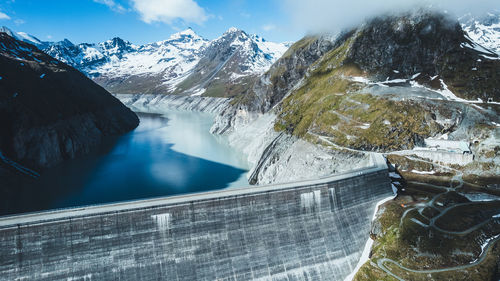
481 258
431 203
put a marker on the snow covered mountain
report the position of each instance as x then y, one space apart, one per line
484 30
185 63
23 36
230 63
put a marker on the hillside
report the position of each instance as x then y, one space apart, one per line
50 111
392 86
391 83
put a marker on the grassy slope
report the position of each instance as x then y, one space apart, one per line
328 104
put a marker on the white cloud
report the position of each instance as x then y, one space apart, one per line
112 5
169 10
19 22
4 16
334 15
268 27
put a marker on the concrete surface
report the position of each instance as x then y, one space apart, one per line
311 230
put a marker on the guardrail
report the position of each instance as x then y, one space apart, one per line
9 221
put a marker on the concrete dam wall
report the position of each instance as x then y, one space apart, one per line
312 230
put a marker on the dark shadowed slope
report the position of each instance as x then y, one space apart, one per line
49 111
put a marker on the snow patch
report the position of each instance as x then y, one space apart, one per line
394 175
364 126
480 197
360 79
445 92
423 172
394 189
415 76
198 92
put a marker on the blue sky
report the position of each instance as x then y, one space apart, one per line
144 21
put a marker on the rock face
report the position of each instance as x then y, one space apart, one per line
229 64
427 43
405 43
384 86
184 64
287 72
49 111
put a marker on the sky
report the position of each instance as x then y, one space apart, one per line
146 21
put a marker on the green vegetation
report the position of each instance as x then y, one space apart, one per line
408 237
219 88
299 45
329 104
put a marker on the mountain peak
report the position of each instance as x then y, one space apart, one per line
233 30
117 41
188 33
23 36
8 31
64 43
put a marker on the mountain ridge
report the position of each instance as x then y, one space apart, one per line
51 112
159 67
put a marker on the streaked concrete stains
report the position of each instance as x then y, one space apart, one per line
309 231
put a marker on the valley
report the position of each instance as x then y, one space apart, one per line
418 90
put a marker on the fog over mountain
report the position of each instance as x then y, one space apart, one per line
332 16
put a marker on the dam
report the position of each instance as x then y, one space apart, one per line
310 230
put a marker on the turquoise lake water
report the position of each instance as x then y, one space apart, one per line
166 155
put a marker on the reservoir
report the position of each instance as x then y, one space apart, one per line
165 155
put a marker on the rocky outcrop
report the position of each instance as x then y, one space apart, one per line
428 43
405 43
49 111
274 157
164 103
326 103
286 73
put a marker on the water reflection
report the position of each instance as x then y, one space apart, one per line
165 155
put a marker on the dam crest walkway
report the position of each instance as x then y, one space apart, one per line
306 230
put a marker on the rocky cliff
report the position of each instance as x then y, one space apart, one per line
285 73
383 87
49 111
393 82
